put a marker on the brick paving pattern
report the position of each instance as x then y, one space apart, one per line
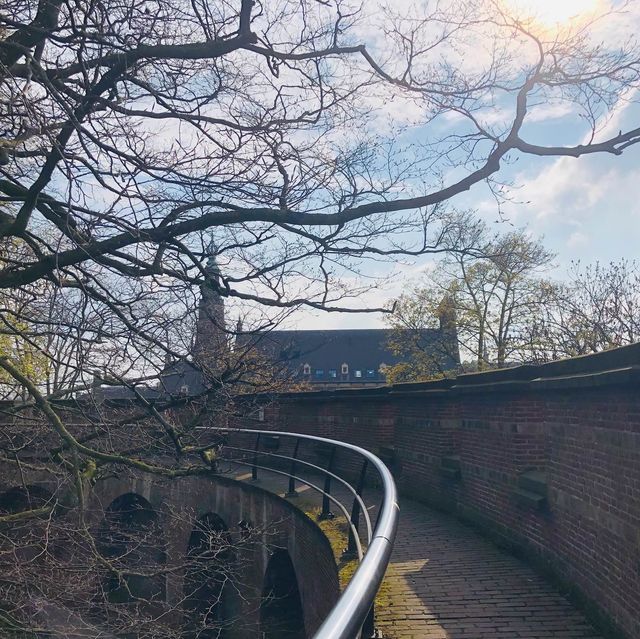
447 582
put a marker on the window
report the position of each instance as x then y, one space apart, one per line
371 372
306 369
319 372
333 373
260 414
345 369
358 373
184 389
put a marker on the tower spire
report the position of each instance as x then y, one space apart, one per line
211 265
211 339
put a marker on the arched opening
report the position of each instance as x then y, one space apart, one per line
209 562
131 538
281 614
27 535
22 498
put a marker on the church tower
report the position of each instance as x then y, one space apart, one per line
211 344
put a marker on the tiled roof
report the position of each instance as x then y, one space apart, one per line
362 350
181 375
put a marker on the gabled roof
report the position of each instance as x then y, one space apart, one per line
363 350
181 375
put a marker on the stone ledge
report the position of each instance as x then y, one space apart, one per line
450 467
531 491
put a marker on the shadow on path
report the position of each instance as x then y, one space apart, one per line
447 582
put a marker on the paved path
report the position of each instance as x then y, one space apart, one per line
447 582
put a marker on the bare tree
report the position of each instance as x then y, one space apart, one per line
596 308
497 297
131 131
492 296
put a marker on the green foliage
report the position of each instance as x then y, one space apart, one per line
19 342
422 357
486 297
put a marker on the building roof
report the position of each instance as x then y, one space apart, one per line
181 378
114 392
364 351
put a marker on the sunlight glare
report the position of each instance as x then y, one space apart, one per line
553 12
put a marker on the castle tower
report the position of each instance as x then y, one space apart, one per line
449 329
211 344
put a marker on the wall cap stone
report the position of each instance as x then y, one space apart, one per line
618 366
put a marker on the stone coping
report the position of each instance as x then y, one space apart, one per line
618 366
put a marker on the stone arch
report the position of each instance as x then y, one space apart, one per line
131 537
208 566
281 612
21 498
26 534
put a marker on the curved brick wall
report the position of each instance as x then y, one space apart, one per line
545 458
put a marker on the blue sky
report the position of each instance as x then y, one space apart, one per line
585 209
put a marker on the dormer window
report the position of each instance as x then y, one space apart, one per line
306 369
358 373
345 369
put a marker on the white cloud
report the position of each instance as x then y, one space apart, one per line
550 111
578 240
580 183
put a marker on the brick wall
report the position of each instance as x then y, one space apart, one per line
546 459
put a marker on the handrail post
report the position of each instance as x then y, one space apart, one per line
254 468
326 511
292 471
351 549
368 628
353 615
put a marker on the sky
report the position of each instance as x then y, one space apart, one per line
585 209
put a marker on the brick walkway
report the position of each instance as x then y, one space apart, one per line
446 582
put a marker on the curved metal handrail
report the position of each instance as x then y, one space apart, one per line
302 480
346 619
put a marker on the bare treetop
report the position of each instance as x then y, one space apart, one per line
137 124
306 137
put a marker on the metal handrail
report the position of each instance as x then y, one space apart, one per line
306 482
302 480
347 617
